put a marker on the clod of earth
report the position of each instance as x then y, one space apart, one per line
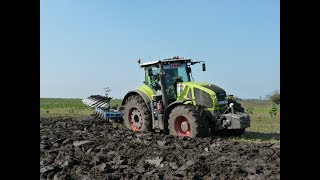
79 143
46 169
93 149
156 161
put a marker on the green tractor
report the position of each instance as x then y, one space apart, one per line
170 102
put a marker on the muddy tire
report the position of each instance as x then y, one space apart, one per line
236 106
136 115
186 121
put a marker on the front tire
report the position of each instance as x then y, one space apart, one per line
136 115
186 121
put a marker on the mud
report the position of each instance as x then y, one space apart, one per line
88 148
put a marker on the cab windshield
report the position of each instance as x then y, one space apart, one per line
175 72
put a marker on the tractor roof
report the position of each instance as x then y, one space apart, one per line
166 61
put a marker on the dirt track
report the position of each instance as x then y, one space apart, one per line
93 149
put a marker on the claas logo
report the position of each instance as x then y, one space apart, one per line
176 65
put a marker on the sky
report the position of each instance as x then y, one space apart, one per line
86 46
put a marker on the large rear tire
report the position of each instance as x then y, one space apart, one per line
136 115
186 121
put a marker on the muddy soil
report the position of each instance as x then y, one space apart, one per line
89 148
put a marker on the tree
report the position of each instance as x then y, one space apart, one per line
273 110
274 97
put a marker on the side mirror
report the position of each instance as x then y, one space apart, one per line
203 67
188 69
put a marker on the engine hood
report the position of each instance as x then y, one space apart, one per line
217 94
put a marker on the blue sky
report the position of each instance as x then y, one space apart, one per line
86 46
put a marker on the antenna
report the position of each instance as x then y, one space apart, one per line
107 90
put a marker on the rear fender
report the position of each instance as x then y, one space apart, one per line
141 94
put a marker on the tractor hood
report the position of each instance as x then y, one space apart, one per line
204 93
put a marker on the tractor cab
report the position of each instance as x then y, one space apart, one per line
174 69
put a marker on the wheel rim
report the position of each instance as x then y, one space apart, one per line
135 119
182 126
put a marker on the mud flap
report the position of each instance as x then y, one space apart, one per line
236 121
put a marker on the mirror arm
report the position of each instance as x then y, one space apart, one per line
196 62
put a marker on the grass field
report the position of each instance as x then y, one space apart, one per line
52 107
263 126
